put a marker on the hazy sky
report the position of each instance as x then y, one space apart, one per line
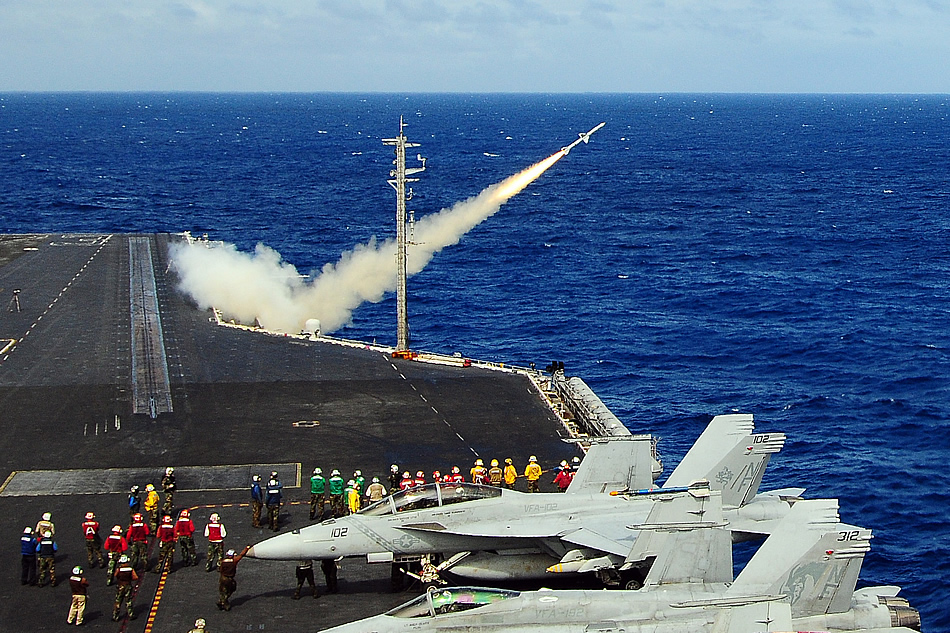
477 45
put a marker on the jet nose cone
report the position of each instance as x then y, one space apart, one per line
283 547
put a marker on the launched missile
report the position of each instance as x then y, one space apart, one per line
582 136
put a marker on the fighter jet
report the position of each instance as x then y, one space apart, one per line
490 534
582 136
802 578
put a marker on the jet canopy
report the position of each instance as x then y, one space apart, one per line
430 496
451 600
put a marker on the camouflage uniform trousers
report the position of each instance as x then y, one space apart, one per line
47 565
113 563
316 506
226 588
166 552
336 505
123 593
273 515
138 553
215 553
153 520
256 508
188 554
169 502
94 552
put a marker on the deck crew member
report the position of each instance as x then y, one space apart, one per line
394 477
318 493
257 501
116 545
375 491
78 585
273 497
478 472
510 474
215 534
532 473
185 533
125 578
28 557
564 476
227 583
45 524
328 566
169 487
305 574
151 506
336 486
165 535
137 536
90 529
495 474
46 559
135 501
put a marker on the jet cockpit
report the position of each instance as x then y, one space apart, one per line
430 496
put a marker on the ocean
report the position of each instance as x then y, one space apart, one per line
781 255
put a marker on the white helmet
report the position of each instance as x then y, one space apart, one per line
214 518
200 623
77 570
317 471
169 470
47 516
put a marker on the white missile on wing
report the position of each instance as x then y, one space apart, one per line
582 136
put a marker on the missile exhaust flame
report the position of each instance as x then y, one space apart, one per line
261 286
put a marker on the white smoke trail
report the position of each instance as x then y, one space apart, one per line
261 286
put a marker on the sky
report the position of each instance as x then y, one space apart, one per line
857 46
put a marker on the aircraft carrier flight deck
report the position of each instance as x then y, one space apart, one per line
108 375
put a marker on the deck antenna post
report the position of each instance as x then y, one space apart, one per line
398 180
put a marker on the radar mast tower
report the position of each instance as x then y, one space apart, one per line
398 180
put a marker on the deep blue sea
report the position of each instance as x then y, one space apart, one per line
782 255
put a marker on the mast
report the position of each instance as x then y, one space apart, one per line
398 180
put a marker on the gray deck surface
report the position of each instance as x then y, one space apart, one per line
71 444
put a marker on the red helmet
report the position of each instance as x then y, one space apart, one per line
185 513
136 517
90 516
117 529
166 519
420 474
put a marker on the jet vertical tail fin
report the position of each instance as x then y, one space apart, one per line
684 534
811 558
729 457
616 463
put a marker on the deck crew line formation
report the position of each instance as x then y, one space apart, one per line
668 547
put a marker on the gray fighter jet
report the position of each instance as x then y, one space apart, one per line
492 534
801 579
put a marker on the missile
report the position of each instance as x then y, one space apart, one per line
582 136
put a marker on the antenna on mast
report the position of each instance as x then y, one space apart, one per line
398 180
